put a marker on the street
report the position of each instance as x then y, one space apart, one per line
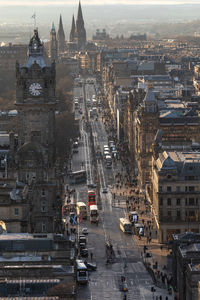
105 282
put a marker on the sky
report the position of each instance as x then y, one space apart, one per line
95 2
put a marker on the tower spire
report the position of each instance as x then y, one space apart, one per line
80 20
72 32
80 32
61 36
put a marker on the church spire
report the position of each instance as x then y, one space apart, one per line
79 21
72 33
80 32
61 37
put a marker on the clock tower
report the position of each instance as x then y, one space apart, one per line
35 99
35 158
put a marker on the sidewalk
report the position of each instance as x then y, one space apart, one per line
153 254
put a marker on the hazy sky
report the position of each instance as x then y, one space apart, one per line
94 2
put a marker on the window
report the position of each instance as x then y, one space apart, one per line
191 188
178 188
178 214
169 213
160 188
43 227
191 201
43 206
169 189
169 201
197 201
178 201
186 201
16 211
191 213
161 201
169 176
43 192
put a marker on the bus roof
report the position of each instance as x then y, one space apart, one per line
91 191
77 172
93 207
124 221
81 204
80 265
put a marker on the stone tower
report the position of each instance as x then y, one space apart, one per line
146 128
53 46
61 37
80 32
35 158
72 32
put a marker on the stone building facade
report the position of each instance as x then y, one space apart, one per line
35 157
145 128
174 192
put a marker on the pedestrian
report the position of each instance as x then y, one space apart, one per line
166 298
91 255
160 297
125 297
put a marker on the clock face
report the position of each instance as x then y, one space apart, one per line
35 89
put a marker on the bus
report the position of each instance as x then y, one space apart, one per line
91 197
81 209
81 272
77 177
125 225
94 216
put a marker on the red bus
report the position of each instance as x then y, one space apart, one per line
91 198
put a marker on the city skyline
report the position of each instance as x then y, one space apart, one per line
97 2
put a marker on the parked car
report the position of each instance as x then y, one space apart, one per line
85 230
82 239
104 190
84 252
82 245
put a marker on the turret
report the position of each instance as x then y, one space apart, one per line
53 46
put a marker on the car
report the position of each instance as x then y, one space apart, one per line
75 150
82 245
82 239
90 266
85 230
84 252
92 185
104 190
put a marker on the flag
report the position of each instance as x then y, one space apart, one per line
74 220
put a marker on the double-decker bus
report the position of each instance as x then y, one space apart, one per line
91 197
94 216
81 209
125 225
77 177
